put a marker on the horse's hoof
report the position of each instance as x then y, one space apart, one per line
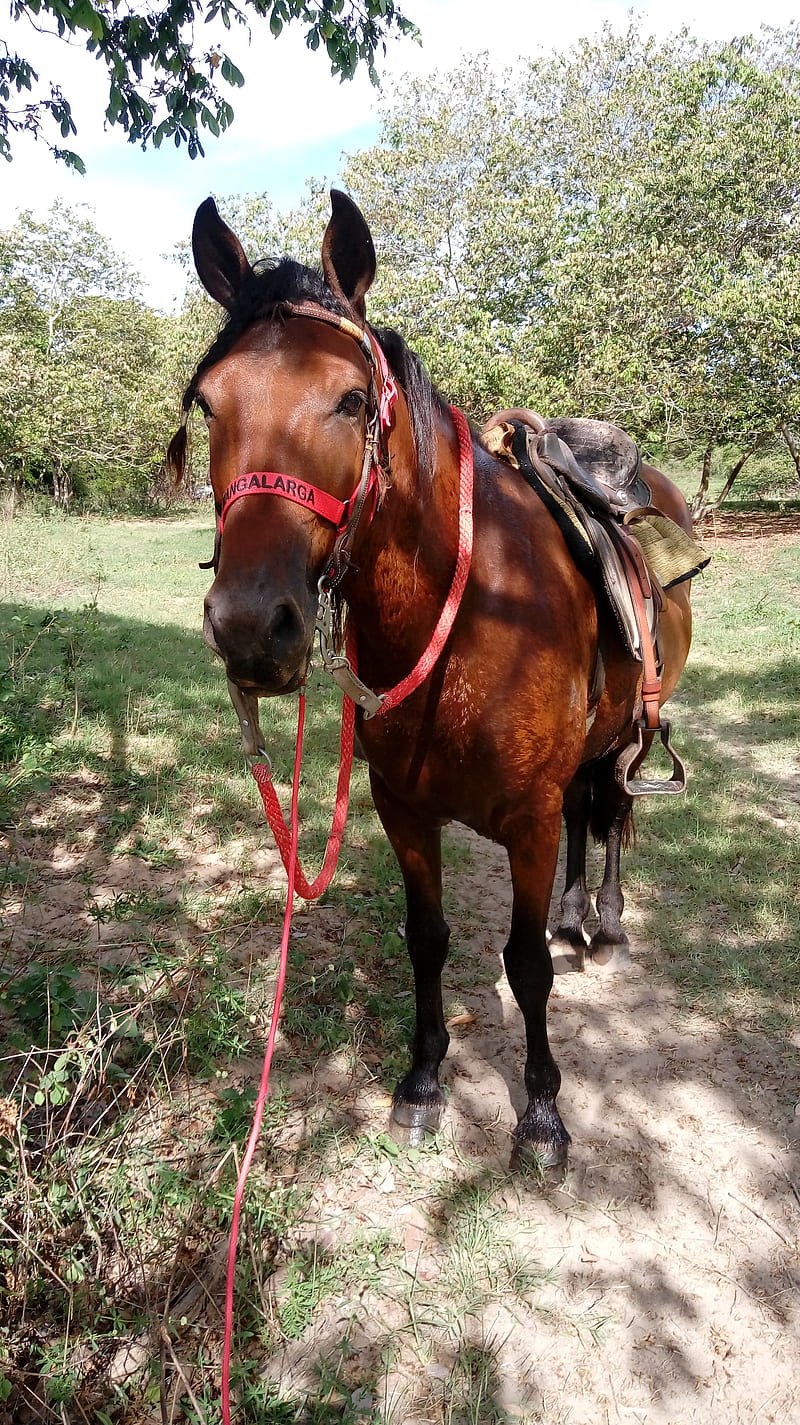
545 1161
410 1123
610 955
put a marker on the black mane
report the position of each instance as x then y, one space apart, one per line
262 298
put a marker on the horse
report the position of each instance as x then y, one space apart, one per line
499 733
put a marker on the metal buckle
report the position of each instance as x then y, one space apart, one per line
337 664
245 705
632 757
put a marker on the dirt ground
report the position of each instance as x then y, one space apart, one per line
673 1239
668 1253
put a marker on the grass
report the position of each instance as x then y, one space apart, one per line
142 919
730 930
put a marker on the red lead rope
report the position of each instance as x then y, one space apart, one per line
441 632
282 832
286 838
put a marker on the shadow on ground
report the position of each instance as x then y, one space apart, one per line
658 1278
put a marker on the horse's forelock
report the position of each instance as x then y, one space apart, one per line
263 295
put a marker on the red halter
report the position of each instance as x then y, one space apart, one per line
272 482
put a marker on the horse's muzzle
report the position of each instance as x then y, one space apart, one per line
264 651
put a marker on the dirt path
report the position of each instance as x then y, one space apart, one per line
663 1271
669 1253
658 1283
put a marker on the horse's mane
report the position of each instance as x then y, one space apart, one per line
263 296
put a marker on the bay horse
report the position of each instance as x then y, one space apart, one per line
498 735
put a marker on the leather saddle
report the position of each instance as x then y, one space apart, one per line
589 475
599 461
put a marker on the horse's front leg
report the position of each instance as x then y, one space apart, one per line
532 846
418 1102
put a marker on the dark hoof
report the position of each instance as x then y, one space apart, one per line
610 954
545 1161
410 1123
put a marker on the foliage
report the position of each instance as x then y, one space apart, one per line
83 406
163 83
617 234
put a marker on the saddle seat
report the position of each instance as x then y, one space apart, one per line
599 461
606 464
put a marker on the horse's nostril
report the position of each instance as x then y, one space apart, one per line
209 629
284 620
286 626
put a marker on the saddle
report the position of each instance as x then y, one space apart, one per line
589 475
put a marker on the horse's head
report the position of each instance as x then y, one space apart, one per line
295 394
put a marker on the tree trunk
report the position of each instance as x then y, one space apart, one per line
62 486
700 501
793 450
742 461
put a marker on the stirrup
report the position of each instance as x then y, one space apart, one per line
632 756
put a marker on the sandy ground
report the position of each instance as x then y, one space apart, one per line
669 1251
673 1238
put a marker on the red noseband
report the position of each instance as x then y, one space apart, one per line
301 492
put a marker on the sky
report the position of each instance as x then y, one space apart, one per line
294 122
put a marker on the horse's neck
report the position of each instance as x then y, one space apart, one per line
404 563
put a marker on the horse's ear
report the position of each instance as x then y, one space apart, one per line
348 255
219 257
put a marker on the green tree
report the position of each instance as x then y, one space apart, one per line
163 82
464 228
676 309
615 234
84 408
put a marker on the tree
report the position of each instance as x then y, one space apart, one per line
678 303
464 227
84 408
163 81
615 235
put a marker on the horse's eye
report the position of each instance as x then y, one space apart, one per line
352 403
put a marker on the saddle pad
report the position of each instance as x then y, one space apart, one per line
671 553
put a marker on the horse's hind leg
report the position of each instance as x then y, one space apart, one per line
533 853
613 809
418 1102
575 902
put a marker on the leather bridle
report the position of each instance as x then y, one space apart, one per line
345 515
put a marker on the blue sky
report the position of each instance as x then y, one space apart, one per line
293 121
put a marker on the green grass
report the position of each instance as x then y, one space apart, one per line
133 1009
729 930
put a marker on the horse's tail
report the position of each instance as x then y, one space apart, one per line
609 804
